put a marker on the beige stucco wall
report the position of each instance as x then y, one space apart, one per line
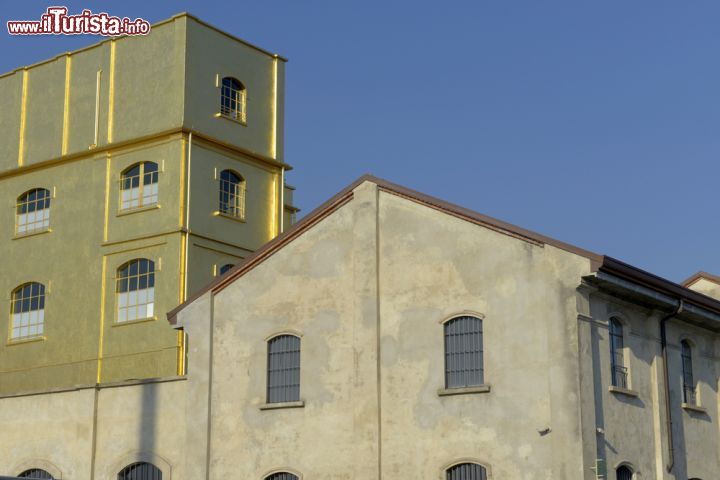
707 287
633 424
384 271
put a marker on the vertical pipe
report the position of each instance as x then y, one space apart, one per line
187 214
282 199
97 108
666 374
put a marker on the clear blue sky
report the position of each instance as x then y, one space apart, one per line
592 122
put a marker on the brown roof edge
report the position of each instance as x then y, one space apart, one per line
675 290
699 275
493 223
325 209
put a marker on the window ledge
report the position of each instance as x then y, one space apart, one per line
20 341
694 408
234 120
274 406
130 211
443 392
623 391
133 322
32 234
228 216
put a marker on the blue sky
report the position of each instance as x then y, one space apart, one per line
592 122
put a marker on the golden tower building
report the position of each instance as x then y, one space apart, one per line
132 172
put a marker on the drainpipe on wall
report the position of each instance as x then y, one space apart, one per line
668 410
187 215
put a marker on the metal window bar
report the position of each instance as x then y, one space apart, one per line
466 471
232 194
139 186
463 352
283 382
617 355
36 473
282 476
140 471
27 309
623 473
689 390
32 211
232 99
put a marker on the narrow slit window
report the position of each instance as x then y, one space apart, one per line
136 290
464 352
624 473
225 268
233 96
283 375
689 387
32 211
617 355
28 311
139 186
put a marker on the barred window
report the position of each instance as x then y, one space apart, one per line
224 269
617 354
623 472
139 186
28 311
233 99
232 194
282 476
466 471
463 352
136 290
36 473
33 211
689 387
140 471
283 376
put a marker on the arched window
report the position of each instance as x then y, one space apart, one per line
28 311
140 471
139 186
463 352
38 473
617 354
283 376
282 476
623 472
136 290
225 268
689 387
233 99
33 211
232 194
466 471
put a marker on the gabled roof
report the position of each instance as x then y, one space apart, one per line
597 262
700 275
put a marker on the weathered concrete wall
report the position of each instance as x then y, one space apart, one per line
130 423
367 290
633 421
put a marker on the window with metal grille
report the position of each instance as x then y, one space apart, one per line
466 471
282 476
36 473
140 471
623 473
689 389
463 352
617 354
139 186
232 194
233 98
32 211
27 311
225 268
283 376
136 290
